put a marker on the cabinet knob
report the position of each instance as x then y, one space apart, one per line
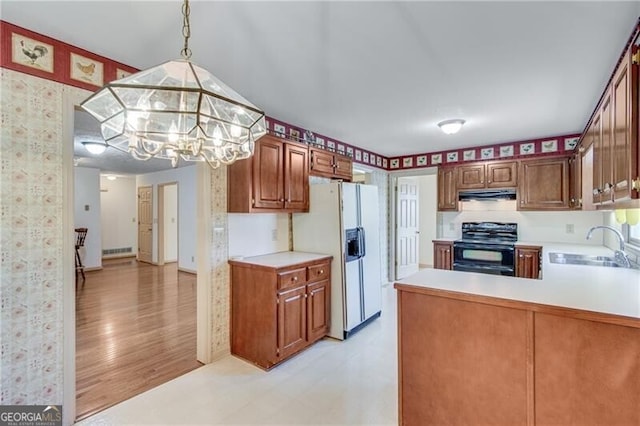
321 271
521 256
281 200
489 181
448 250
295 278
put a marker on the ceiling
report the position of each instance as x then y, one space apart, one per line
378 75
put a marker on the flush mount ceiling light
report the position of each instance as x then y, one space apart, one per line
451 126
177 110
93 147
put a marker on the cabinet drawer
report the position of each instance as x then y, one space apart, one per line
318 272
292 278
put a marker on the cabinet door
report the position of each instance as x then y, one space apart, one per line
344 167
502 175
296 178
622 130
586 372
528 262
544 184
447 192
606 130
321 163
575 181
442 256
471 176
268 176
594 132
318 304
292 321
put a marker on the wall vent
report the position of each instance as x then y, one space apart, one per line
107 252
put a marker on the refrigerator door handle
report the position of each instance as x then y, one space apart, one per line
361 243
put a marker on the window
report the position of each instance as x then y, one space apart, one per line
632 234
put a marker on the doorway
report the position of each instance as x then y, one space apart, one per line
414 218
133 313
168 223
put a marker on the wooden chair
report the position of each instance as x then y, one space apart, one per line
81 234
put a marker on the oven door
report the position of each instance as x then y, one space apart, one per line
497 259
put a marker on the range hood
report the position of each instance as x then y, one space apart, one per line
487 195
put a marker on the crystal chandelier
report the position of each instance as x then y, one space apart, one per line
177 110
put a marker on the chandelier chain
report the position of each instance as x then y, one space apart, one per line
186 30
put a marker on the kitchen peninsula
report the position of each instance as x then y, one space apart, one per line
484 349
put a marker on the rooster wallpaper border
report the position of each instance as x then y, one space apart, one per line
84 69
61 70
32 53
64 69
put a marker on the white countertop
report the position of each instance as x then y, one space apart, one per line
280 259
593 288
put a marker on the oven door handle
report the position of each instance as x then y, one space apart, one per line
480 246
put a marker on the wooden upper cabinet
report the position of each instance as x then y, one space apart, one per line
447 192
471 176
296 177
606 138
330 165
501 174
624 112
613 131
575 181
274 179
544 184
268 174
594 135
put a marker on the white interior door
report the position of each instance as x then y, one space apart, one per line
145 223
407 226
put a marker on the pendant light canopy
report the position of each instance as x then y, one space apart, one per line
177 110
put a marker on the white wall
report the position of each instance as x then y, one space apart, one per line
258 233
185 177
428 204
119 214
532 226
87 214
170 223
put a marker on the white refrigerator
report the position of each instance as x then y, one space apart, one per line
343 221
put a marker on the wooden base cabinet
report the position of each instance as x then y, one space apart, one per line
528 261
277 311
442 255
477 360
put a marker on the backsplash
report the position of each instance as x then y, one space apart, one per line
560 227
252 234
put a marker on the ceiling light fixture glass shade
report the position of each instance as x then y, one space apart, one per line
451 127
177 111
96 148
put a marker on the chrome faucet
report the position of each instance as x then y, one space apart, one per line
620 255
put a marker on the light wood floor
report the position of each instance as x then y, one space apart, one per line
135 329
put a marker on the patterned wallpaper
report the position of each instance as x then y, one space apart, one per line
220 280
31 232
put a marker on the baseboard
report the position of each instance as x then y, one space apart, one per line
188 271
424 265
94 268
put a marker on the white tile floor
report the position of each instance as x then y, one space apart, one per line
332 383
